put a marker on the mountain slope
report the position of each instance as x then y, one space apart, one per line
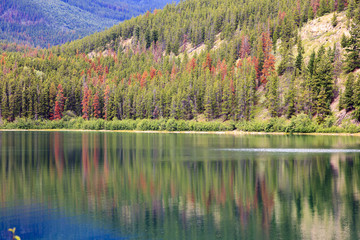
43 22
228 60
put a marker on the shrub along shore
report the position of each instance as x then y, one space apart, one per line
297 124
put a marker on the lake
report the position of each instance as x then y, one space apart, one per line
103 185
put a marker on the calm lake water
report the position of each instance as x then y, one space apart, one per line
95 185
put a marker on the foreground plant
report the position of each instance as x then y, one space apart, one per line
14 237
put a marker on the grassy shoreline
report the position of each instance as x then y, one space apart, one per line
300 124
235 132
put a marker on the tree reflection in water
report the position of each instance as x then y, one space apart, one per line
176 186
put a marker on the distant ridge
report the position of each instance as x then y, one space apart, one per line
44 22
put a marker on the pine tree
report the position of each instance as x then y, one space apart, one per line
357 99
59 103
269 62
106 102
323 75
86 102
352 47
299 58
349 93
225 101
350 9
341 100
208 102
57 111
323 106
143 79
260 55
4 102
323 8
341 5
245 47
272 95
310 15
334 20
245 89
291 98
268 69
148 39
311 64
287 61
52 96
12 105
96 105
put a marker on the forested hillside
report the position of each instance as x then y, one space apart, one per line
43 22
201 60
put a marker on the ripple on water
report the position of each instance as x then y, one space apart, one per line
291 150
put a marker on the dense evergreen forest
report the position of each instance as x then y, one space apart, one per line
252 65
43 22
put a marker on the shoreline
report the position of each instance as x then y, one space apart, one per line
234 132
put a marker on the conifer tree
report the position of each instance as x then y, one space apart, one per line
260 57
245 89
341 100
96 105
106 102
353 45
323 8
311 64
299 58
323 75
323 106
310 15
273 101
208 102
59 103
86 103
225 101
291 98
4 102
52 96
341 5
357 99
286 63
348 100
350 9
334 20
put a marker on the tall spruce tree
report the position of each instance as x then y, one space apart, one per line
323 75
352 46
273 101
299 58
291 110
357 98
287 41
323 106
348 100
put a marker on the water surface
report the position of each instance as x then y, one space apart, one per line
95 185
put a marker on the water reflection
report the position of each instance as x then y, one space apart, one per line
175 186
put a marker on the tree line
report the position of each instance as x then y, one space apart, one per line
102 77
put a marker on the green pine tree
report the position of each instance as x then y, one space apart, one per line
273 101
352 47
299 58
348 100
341 100
291 110
334 20
323 106
356 113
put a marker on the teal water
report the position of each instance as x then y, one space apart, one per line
96 185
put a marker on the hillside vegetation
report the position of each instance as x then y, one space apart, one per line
245 61
43 22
